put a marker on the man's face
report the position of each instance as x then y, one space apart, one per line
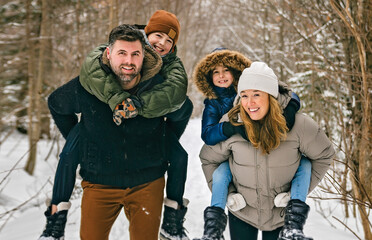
126 59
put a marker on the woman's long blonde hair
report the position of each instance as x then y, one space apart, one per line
266 133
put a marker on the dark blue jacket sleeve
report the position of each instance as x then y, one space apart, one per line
290 111
211 127
296 100
63 106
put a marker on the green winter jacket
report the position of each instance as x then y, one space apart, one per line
163 98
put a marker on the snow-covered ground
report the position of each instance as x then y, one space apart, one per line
22 196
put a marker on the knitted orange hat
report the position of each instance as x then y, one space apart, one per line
166 22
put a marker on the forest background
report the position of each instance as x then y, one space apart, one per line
322 49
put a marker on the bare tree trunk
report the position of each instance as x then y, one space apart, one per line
79 45
281 46
368 25
30 164
265 34
363 150
34 109
113 14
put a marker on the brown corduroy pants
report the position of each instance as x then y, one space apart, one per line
102 204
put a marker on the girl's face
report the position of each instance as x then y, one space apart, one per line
161 42
222 77
255 103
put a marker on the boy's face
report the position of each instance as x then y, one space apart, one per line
161 42
222 77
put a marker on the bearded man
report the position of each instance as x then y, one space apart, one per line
121 165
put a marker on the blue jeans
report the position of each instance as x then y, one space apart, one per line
301 180
221 179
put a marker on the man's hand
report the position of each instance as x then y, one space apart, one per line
124 110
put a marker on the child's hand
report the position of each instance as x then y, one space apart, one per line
229 130
125 110
241 130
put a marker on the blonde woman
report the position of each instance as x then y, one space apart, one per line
265 165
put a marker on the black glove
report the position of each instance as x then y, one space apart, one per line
241 130
290 114
228 130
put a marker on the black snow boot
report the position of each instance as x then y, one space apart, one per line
55 226
173 218
295 216
215 221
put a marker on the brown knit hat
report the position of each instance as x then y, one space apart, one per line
166 22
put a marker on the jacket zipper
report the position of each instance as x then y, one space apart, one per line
257 188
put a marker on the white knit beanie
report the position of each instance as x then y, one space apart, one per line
259 77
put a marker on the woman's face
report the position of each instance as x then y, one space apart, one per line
222 77
255 103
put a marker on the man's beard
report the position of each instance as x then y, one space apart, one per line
125 79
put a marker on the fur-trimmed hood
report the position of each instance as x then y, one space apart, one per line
230 59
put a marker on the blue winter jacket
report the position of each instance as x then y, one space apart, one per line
214 109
